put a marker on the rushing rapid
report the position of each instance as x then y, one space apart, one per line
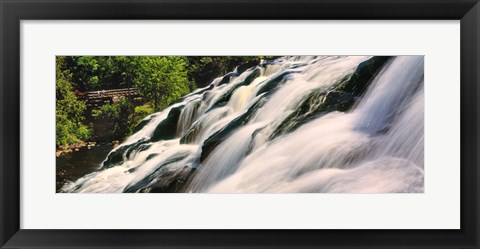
308 124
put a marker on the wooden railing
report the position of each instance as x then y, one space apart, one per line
109 95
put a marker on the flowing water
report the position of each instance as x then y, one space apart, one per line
329 124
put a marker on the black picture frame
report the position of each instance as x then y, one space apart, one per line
13 11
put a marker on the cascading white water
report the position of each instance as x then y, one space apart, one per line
351 124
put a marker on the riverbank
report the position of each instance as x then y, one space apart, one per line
79 162
63 150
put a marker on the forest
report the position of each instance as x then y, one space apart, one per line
159 81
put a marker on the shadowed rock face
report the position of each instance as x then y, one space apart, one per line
316 104
167 129
119 155
142 124
175 182
341 98
177 185
226 97
273 83
168 177
363 75
227 77
215 139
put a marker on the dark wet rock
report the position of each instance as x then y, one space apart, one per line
177 182
316 104
191 133
363 75
243 67
275 81
168 127
227 77
119 155
190 136
214 140
338 101
298 65
223 100
137 148
210 87
162 176
152 156
142 124
252 141
340 98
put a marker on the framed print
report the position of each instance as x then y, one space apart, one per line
239 124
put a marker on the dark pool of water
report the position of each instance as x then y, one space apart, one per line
72 166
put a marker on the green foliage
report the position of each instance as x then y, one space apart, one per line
159 79
123 116
140 112
84 70
119 114
69 111
97 113
91 73
143 110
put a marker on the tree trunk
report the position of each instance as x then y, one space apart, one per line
155 101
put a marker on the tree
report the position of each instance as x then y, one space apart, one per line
84 71
160 80
69 111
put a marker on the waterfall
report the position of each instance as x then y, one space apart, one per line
309 124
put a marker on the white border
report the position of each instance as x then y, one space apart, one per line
437 208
